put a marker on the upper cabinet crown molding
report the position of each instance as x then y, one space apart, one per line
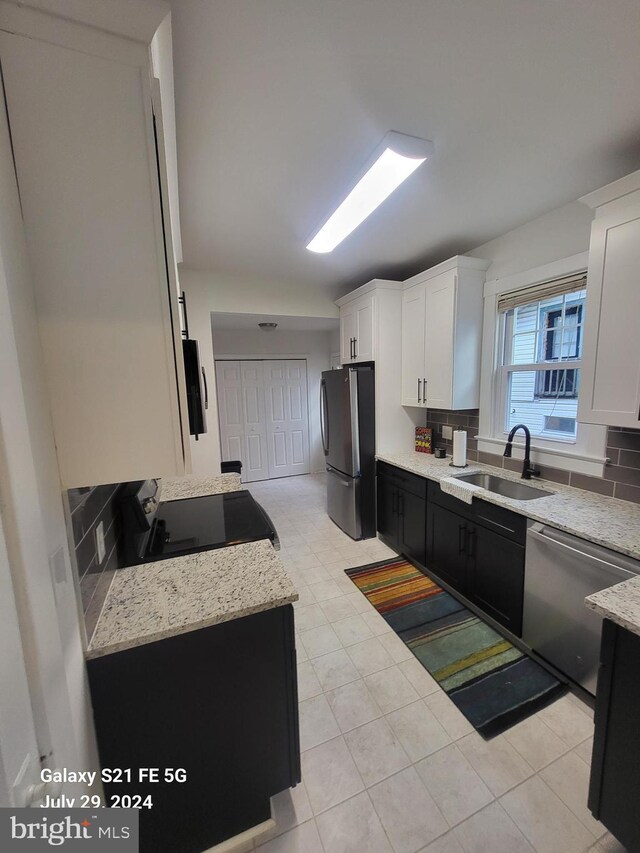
620 191
132 19
610 377
458 262
369 287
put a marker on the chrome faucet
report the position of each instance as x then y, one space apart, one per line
527 470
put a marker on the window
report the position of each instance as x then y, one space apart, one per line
541 351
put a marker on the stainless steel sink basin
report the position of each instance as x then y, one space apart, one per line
508 488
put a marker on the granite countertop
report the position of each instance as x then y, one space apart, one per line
620 603
157 600
606 521
178 488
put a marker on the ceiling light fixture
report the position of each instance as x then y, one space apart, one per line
394 160
267 326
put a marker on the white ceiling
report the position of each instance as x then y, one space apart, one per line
530 104
249 322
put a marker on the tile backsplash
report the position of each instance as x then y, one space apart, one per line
621 475
87 508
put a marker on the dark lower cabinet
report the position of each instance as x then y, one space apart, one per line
465 550
220 702
402 512
496 576
447 534
614 791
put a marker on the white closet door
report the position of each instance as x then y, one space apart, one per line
230 409
255 464
287 417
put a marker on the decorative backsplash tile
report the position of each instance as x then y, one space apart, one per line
87 508
621 475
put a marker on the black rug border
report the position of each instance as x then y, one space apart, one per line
505 721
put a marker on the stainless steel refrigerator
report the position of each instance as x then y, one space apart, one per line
347 401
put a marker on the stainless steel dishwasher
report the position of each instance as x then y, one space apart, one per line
560 571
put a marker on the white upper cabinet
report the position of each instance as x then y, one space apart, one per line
610 381
81 110
357 328
442 335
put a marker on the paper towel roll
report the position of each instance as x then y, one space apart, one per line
459 448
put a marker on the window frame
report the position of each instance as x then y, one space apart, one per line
584 454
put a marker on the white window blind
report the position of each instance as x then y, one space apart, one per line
538 292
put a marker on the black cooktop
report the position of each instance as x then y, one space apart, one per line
200 524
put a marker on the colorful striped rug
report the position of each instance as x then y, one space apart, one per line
493 683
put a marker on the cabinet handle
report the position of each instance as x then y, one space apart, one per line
471 551
419 400
424 390
394 502
355 343
400 504
462 538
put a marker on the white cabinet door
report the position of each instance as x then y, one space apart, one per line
83 141
413 348
230 410
610 381
439 337
287 419
255 463
364 308
347 332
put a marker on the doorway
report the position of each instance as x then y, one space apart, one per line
264 416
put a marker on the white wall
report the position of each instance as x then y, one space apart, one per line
558 234
32 510
209 292
314 346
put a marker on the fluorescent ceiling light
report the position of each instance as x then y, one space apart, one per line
395 159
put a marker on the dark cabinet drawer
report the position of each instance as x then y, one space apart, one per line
493 517
404 479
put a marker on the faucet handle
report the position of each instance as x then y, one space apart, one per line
530 471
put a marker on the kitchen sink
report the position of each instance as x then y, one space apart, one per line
508 488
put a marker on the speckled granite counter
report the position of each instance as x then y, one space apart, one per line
606 521
168 597
620 603
177 488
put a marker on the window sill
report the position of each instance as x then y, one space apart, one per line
566 458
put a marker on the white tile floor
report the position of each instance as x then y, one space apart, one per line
388 762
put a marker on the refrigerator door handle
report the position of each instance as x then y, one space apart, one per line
324 425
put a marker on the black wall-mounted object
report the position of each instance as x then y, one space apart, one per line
197 391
